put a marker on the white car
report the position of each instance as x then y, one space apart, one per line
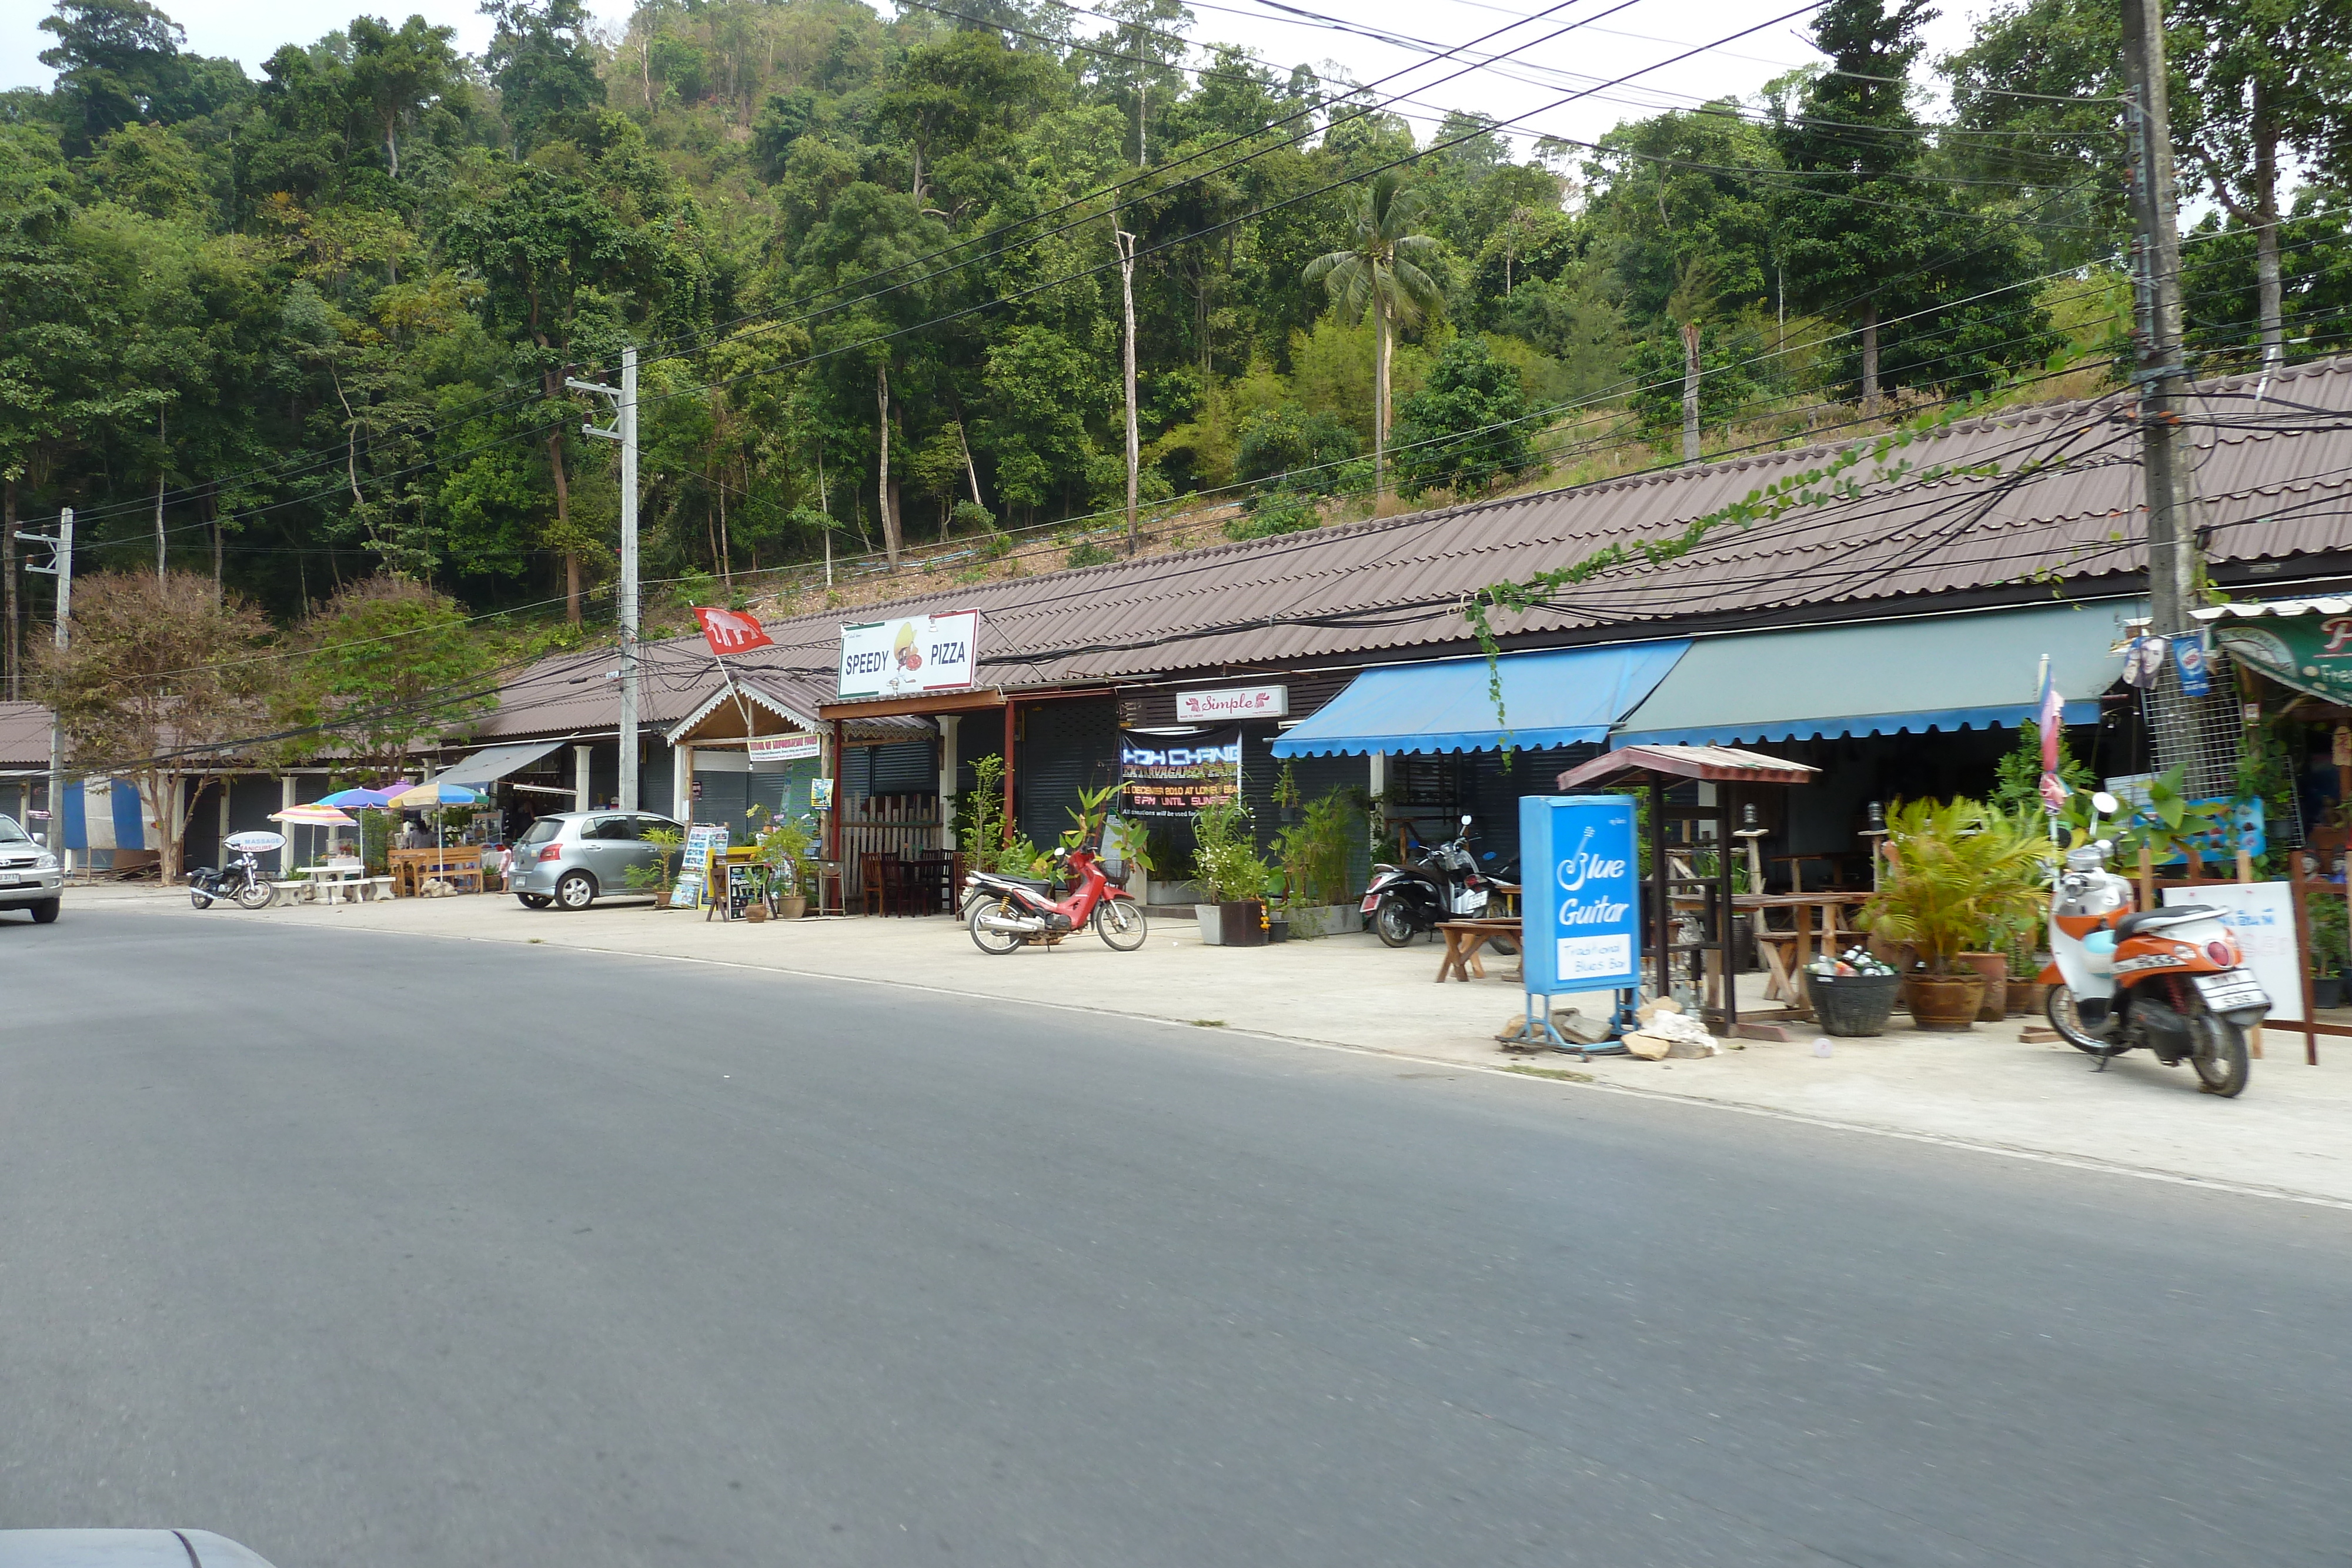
29 877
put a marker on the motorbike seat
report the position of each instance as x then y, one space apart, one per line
2157 919
1035 883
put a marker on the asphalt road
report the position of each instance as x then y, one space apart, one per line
387 1252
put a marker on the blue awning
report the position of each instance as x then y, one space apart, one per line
1566 697
1889 677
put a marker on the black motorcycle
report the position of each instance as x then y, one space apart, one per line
1444 884
242 883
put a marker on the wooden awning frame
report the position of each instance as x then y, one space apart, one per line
1655 763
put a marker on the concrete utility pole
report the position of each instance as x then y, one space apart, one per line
624 430
2162 376
61 567
1126 243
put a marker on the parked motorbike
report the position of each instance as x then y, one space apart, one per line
2172 979
242 882
1005 913
1446 883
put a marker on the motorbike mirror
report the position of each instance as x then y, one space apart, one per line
2104 804
1466 819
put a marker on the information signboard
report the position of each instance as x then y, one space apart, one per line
909 656
1580 897
1178 781
705 843
2263 915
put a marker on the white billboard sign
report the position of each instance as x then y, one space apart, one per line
908 657
1233 702
784 747
2263 915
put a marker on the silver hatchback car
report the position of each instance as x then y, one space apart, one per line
574 858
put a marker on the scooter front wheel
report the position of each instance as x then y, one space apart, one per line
994 943
1120 923
1392 921
2067 1020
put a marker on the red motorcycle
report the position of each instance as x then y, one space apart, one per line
1008 912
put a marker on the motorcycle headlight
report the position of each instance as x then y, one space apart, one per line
45 863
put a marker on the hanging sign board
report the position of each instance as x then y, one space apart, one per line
1580 899
2310 652
1178 781
784 747
909 657
1237 702
2262 914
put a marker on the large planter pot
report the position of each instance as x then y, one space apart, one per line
1946 1004
1322 920
1852 1005
1993 969
1157 890
790 908
2327 991
2028 998
1241 924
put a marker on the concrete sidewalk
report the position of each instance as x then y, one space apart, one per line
2289 1135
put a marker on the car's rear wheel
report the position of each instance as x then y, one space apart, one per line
576 891
533 900
44 913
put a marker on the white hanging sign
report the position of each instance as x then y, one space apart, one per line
784 747
1233 702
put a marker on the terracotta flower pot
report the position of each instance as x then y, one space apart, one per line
2027 999
1993 969
1946 1004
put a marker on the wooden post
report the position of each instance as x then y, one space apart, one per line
2299 892
2147 879
1009 739
1662 904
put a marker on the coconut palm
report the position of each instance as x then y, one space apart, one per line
1382 269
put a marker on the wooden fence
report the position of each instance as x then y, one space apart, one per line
893 825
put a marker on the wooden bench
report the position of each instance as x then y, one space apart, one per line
1462 940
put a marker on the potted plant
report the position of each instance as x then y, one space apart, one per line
1314 853
656 879
1955 870
2325 915
1232 876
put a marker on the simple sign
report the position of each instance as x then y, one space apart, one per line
731 631
1178 781
1580 899
784 747
704 843
909 657
2262 914
1233 702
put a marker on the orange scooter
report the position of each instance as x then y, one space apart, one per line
2172 979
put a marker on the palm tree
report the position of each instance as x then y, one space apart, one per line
1381 270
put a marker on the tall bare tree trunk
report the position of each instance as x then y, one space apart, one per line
1690 391
554 388
2270 294
212 516
1125 244
163 440
882 487
11 642
1380 407
726 551
1870 358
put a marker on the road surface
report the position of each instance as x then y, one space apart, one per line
404 1253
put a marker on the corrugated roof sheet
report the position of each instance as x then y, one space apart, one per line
24 736
2024 495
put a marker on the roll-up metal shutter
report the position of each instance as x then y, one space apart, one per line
1064 745
902 768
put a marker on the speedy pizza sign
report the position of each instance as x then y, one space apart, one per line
909 656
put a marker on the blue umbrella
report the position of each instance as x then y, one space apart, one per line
379 799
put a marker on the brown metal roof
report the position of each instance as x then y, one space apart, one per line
1719 764
24 736
1984 505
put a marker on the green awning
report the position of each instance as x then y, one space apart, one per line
1886 677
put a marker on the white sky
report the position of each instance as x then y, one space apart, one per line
1549 68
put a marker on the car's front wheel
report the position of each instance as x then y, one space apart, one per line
44 913
576 891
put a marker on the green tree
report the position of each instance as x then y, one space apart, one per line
542 60
1464 430
1384 269
399 74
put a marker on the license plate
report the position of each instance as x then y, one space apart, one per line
1370 899
2230 993
7 878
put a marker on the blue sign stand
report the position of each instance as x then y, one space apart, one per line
1579 905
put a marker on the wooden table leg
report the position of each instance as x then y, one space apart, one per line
1778 986
1446 963
1797 1000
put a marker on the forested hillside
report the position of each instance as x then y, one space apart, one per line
301 330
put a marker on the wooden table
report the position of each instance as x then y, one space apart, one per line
460 864
1782 985
1462 940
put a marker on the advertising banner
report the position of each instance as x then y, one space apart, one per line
910 656
2310 652
1580 898
731 631
784 747
1178 781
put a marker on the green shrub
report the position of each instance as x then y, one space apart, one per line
1227 863
1275 512
1089 553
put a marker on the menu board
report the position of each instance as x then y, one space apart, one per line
1179 780
704 843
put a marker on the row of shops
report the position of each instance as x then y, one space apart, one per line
1873 637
